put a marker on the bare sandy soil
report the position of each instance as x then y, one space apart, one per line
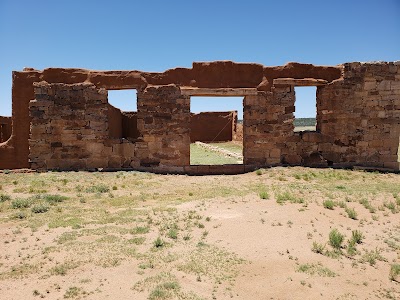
281 233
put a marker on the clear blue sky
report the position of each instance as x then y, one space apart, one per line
158 35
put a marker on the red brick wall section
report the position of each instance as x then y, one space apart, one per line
213 126
5 128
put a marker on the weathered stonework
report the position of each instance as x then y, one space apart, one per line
69 124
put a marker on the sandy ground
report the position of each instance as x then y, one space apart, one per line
240 246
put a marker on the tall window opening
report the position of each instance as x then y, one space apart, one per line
216 130
305 114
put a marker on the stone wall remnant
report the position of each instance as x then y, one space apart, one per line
62 119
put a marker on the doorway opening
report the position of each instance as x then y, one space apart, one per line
216 127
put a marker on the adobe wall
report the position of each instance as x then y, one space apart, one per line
5 128
357 115
213 126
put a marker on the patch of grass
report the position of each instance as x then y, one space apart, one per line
162 286
351 213
20 271
166 290
202 156
391 206
281 198
53 199
372 256
73 292
329 204
316 269
137 240
336 239
140 230
211 261
63 268
259 172
364 202
66 221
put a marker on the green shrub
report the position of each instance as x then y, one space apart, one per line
259 172
357 236
329 204
351 213
21 203
336 239
264 195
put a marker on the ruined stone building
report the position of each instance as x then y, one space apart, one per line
61 118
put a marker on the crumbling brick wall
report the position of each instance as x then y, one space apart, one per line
213 126
358 107
5 128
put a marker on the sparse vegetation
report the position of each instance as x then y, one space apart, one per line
316 269
180 232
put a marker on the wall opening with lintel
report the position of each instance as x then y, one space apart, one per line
215 136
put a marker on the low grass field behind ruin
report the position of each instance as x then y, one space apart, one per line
279 233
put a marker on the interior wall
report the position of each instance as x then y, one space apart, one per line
213 126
